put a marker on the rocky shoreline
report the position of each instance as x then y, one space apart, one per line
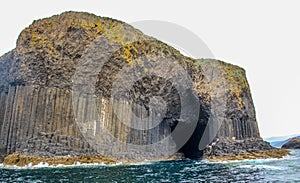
273 153
222 149
22 160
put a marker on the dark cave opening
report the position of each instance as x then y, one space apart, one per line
191 148
189 136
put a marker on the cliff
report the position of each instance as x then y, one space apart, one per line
79 84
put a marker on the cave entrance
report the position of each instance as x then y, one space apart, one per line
192 124
191 148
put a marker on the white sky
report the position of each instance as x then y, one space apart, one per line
261 36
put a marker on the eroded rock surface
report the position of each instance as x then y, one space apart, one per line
39 114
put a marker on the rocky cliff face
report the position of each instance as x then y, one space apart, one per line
41 114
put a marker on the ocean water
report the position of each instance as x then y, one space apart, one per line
267 170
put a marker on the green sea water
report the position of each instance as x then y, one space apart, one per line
269 170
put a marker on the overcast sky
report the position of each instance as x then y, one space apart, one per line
261 36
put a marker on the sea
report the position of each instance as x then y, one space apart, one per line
286 169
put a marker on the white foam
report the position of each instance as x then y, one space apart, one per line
204 161
76 164
145 162
269 167
41 165
253 166
246 166
46 165
258 160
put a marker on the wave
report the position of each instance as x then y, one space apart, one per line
270 167
254 166
259 160
145 162
77 164
150 162
46 165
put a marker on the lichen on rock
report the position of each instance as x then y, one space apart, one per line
38 116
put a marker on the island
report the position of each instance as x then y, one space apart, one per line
293 143
77 85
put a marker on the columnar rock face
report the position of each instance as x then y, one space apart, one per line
39 109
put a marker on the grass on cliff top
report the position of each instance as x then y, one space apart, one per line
235 76
63 37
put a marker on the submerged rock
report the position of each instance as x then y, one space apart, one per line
78 84
294 143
